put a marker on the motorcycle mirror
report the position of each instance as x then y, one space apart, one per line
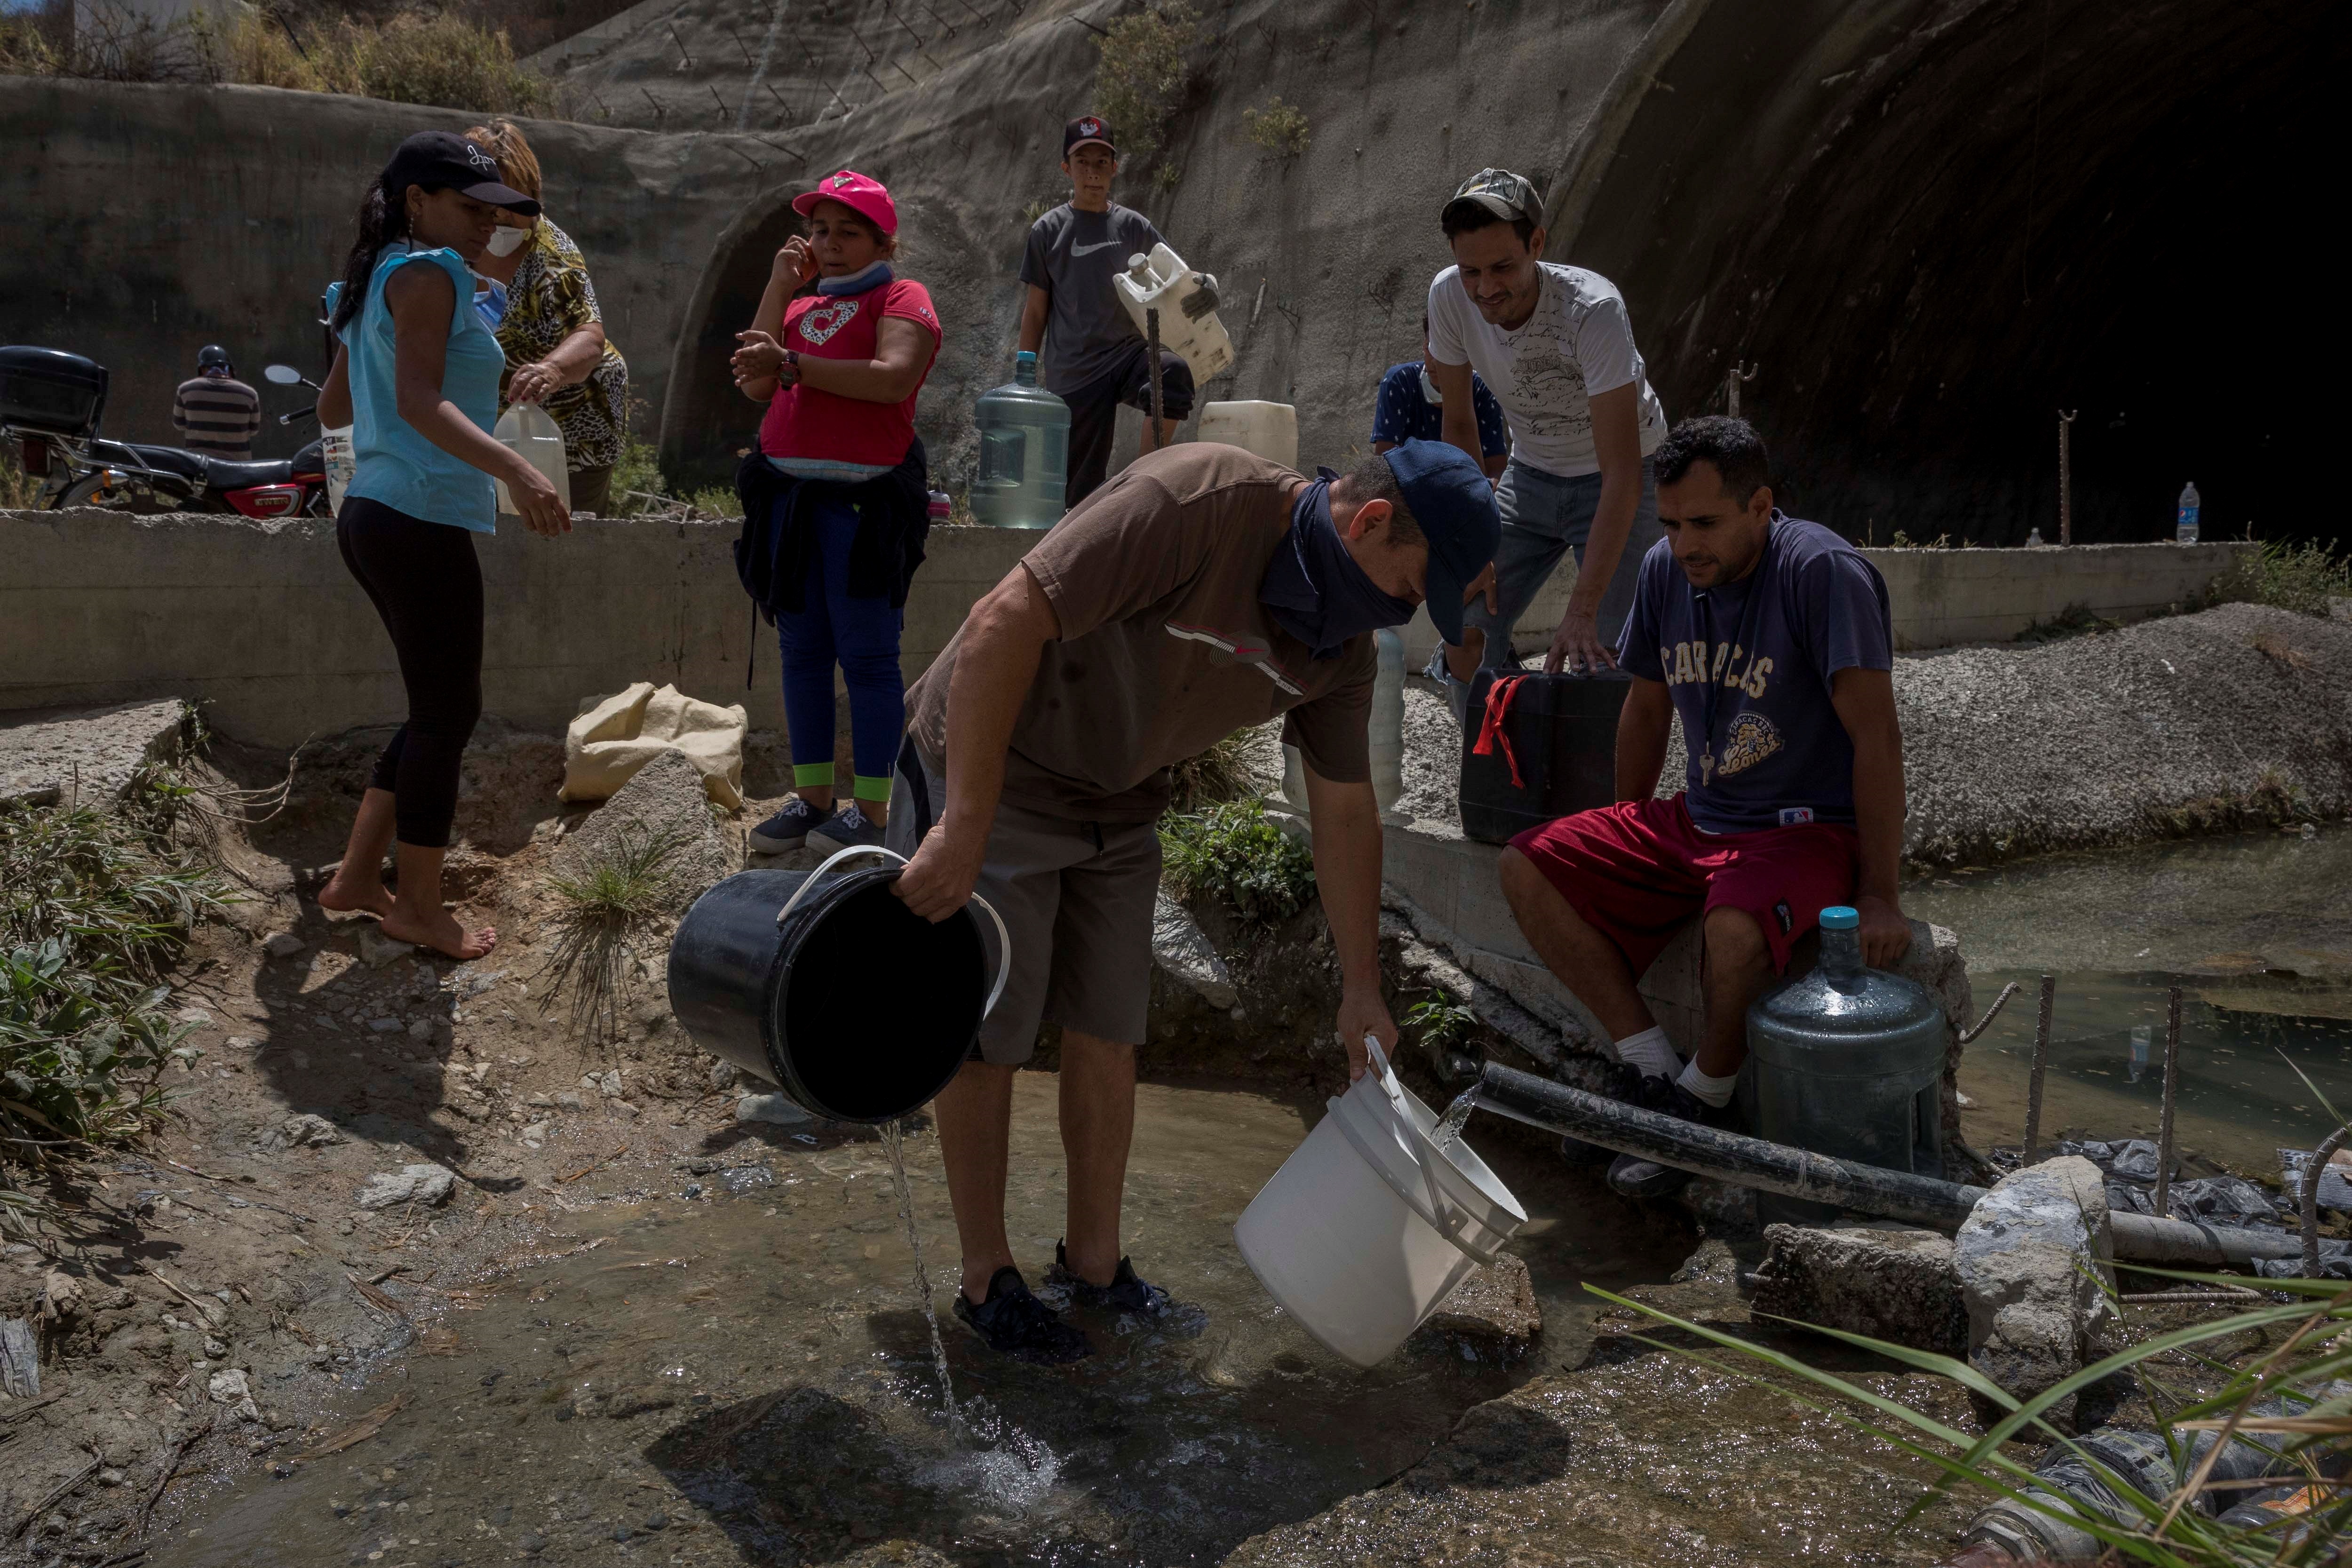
283 374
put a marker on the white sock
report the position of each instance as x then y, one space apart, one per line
1650 1051
1714 1091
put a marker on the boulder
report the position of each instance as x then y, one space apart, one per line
1179 947
1496 1305
426 1185
662 807
2030 1259
58 755
302 1131
1894 1284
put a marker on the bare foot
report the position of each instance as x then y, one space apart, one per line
349 895
441 933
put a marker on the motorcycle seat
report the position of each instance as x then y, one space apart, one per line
228 476
163 459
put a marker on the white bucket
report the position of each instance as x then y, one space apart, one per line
1369 1226
1269 429
529 431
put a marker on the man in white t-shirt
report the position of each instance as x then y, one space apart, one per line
1554 346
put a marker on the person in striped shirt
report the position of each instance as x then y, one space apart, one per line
215 413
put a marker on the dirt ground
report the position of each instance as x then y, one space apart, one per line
223 1288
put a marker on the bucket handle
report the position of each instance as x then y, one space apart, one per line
1003 937
1448 1219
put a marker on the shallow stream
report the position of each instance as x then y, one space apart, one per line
744 1376
2255 929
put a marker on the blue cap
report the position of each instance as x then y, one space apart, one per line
1454 502
1841 917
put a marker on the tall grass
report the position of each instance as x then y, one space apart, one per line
2301 578
2298 1350
604 909
441 58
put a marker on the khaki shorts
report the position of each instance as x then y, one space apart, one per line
1077 900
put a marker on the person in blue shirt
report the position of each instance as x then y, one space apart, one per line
1411 408
416 377
1769 638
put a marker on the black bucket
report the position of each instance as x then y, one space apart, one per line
855 1007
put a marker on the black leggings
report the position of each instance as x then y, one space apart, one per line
427 587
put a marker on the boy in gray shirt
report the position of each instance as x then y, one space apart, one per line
1092 355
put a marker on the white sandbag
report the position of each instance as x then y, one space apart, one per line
615 736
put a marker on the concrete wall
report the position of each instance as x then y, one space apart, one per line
262 621
146 221
263 624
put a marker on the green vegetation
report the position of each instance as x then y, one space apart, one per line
19 491
442 58
92 912
603 913
1216 775
1280 127
2301 578
1440 1022
1233 852
2206 1376
1141 77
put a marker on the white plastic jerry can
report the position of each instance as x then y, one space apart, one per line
529 431
1160 281
1269 429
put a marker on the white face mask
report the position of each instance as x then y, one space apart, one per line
505 241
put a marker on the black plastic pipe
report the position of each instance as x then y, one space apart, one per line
1798 1173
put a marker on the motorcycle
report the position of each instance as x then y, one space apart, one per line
50 403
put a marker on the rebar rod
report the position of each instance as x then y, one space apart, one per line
2171 1092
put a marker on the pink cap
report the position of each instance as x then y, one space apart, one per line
869 198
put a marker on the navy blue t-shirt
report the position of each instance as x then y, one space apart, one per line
1760 653
1402 413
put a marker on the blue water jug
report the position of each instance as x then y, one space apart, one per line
1024 452
1848 1061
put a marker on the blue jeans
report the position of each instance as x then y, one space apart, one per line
862 637
1544 517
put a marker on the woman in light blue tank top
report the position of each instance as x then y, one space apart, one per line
416 376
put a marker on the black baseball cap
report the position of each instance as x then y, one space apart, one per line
1454 503
1086 129
443 159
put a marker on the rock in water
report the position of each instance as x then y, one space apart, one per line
1496 1304
895 1554
778 1110
662 803
2029 1260
426 1185
1890 1284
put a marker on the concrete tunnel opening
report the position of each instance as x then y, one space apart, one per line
1932 233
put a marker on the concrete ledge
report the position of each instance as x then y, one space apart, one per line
1944 598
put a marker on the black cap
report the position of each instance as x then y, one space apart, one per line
1085 129
443 159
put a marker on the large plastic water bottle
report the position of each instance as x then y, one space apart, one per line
2184 530
529 431
1024 452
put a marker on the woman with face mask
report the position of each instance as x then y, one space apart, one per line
543 308
416 377
836 495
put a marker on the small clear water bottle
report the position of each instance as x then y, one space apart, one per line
2184 529
1024 452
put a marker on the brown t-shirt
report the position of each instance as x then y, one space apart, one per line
1165 649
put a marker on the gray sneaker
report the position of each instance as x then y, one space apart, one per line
849 828
787 830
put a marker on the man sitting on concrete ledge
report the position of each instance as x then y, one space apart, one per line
1771 637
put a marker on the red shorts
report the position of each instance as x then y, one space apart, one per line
1637 872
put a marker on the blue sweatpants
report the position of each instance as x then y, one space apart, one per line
862 637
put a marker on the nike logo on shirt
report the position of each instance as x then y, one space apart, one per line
1091 249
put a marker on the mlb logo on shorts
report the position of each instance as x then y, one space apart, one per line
1781 912
1791 816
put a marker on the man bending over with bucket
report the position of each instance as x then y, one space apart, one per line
1770 638
1203 590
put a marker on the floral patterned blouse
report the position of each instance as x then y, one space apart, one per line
550 298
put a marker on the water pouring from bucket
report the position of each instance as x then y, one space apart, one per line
1372 1222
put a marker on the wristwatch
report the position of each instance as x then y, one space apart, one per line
792 361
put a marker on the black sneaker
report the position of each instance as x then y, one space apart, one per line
1638 1178
849 828
1017 1324
788 829
1622 1082
1125 1293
